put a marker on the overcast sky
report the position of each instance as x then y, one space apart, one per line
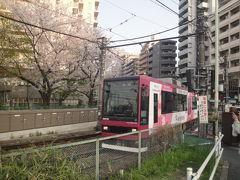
134 18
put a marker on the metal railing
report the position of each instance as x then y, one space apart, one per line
218 150
103 157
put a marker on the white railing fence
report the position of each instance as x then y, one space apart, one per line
218 150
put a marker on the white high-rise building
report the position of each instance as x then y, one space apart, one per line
187 45
86 9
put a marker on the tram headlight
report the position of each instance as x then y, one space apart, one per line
105 128
134 129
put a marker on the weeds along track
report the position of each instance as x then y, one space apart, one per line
21 145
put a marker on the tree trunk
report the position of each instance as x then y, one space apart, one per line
91 99
46 97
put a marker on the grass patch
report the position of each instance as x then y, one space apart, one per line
170 165
49 165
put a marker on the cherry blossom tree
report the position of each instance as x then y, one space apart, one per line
44 59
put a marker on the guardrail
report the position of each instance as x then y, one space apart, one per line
218 154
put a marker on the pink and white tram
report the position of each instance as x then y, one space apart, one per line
141 102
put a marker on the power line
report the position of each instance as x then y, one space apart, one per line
122 22
154 33
144 19
174 2
165 6
129 44
75 18
47 29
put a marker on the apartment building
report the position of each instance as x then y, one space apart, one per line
189 22
229 45
130 66
162 59
86 9
187 45
144 59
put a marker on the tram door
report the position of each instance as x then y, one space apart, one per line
154 100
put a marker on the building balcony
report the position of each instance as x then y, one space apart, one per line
223 34
183 61
168 47
234 30
223 23
182 2
183 70
183 52
182 18
183 8
223 47
169 54
234 17
182 27
234 69
233 43
183 43
234 56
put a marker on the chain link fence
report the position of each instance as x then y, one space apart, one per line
100 158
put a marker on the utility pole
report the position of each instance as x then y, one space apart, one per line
226 79
101 77
201 69
216 66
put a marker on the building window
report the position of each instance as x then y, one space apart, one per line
235 24
235 50
224 29
235 63
235 10
223 17
234 37
74 10
224 41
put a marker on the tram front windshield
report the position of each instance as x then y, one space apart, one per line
120 100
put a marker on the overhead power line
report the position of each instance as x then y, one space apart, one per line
140 17
76 18
167 7
133 16
130 44
47 29
170 29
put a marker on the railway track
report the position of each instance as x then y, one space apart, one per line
45 141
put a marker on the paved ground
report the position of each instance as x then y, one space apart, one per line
231 154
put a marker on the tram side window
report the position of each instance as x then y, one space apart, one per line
155 100
172 102
144 106
194 103
182 102
167 102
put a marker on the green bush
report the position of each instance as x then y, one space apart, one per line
170 165
49 165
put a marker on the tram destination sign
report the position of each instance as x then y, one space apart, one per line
203 109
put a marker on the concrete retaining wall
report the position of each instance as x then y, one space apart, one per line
34 119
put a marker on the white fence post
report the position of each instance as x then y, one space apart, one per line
189 173
139 149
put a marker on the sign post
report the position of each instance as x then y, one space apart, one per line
203 116
203 110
